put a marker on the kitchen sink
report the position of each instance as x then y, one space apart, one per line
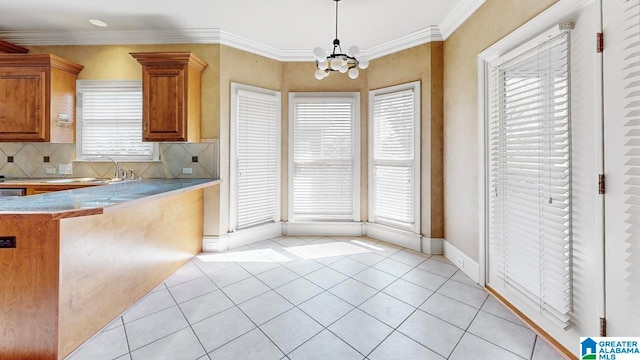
72 180
83 180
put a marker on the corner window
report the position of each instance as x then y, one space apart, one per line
394 156
110 121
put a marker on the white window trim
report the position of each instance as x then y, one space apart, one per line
354 97
233 176
85 85
415 87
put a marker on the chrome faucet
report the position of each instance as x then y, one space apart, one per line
116 173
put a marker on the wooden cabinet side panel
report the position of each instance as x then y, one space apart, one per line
22 104
109 261
29 291
63 102
164 104
195 105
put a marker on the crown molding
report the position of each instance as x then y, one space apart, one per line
458 15
426 35
241 43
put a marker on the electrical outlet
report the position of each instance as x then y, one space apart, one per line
460 262
187 171
566 26
65 169
50 171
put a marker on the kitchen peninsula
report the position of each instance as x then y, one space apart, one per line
71 261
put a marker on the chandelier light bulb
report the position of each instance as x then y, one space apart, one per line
323 65
320 74
343 69
336 63
364 63
354 51
319 53
354 73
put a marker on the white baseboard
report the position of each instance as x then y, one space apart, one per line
241 238
433 246
324 228
376 231
394 236
461 260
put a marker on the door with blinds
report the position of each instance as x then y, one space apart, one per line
531 176
255 155
621 59
541 178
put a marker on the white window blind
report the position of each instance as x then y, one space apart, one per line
110 119
256 142
394 157
324 161
529 143
631 94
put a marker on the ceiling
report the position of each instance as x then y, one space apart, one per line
288 29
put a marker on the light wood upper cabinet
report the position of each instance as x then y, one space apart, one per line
171 87
37 98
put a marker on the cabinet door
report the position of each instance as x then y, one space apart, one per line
22 105
164 104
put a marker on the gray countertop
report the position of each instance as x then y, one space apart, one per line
98 199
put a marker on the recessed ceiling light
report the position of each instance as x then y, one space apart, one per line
97 22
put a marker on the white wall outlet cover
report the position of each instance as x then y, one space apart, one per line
65 169
187 171
50 171
460 262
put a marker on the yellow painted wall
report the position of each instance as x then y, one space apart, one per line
491 22
421 63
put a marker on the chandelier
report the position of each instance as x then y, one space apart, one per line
337 60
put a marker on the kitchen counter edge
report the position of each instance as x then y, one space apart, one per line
102 199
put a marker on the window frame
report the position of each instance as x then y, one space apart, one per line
414 86
105 86
233 169
354 99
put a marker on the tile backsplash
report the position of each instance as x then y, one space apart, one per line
29 161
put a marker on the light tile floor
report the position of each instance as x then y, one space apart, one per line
316 298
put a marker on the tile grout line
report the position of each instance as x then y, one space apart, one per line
491 342
467 329
126 337
533 350
403 321
189 323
